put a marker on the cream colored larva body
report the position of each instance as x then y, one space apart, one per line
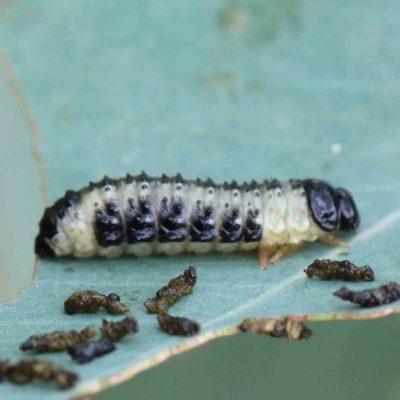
140 216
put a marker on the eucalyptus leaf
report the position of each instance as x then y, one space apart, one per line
232 90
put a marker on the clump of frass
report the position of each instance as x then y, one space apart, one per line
89 301
27 370
168 295
177 326
87 351
384 294
57 340
115 331
276 327
342 270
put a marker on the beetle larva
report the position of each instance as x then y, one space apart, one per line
384 294
344 270
142 215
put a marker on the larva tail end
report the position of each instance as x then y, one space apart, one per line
42 248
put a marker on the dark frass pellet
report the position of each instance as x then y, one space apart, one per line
176 288
27 370
276 327
384 294
177 326
342 270
87 351
89 301
57 340
115 331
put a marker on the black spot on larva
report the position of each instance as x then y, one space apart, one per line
202 228
146 206
349 216
230 231
144 187
129 179
164 178
106 182
108 226
321 202
198 202
210 191
179 179
140 222
273 184
246 187
209 183
143 177
254 185
172 225
71 198
59 208
178 208
252 231
295 184
234 185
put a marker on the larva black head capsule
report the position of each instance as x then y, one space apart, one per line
331 208
321 198
349 217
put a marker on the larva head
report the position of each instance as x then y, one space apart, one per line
331 208
349 217
321 198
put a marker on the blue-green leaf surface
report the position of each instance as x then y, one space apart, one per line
226 89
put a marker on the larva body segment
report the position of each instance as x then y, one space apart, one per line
141 215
